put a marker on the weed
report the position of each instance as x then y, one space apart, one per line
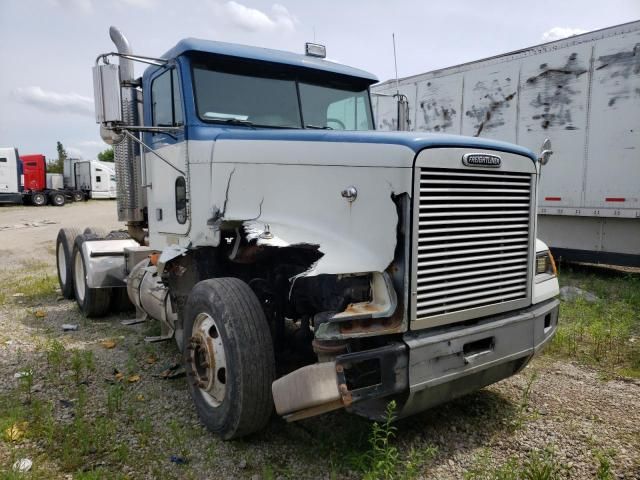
55 355
603 333
178 439
604 470
383 457
77 365
114 398
417 459
26 383
539 465
520 415
143 426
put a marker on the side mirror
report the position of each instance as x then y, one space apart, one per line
106 93
546 152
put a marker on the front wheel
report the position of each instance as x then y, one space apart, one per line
228 357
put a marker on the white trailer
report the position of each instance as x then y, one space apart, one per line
97 179
583 93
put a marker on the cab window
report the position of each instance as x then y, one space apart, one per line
165 100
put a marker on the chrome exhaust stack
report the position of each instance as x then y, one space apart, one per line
131 198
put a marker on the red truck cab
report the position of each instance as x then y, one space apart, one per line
34 168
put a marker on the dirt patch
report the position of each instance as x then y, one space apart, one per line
27 231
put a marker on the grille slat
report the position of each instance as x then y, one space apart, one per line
472 239
467 251
475 303
466 296
518 234
469 281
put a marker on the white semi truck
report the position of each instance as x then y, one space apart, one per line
300 259
583 93
97 179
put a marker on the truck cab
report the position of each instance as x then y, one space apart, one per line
11 176
299 258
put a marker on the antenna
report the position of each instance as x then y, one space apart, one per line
395 61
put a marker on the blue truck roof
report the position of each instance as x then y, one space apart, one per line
266 55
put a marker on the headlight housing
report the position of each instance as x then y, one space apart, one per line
545 264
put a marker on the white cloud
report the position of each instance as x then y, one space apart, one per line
84 6
87 6
556 33
64 103
254 20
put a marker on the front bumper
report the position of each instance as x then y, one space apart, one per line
427 368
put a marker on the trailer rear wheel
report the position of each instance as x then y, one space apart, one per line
228 357
64 250
93 302
39 199
57 199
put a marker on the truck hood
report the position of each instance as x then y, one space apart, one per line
414 141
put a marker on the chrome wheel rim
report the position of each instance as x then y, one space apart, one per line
62 265
208 360
78 271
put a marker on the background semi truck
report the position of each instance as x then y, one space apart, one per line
24 179
583 93
299 259
96 179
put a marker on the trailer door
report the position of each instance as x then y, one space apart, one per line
553 104
613 149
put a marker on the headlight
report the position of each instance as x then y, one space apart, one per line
545 264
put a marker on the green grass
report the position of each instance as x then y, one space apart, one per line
605 333
540 464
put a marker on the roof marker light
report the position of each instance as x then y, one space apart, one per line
315 50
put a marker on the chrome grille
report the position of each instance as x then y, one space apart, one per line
473 240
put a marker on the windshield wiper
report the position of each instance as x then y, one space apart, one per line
232 121
318 127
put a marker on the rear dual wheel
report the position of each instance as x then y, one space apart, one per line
64 250
93 302
57 199
39 199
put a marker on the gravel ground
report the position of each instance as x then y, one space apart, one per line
553 404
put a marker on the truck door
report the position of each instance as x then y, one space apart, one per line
99 182
167 196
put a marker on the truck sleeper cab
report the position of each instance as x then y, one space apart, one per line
301 259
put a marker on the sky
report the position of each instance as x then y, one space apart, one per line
47 47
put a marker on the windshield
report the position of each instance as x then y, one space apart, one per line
263 101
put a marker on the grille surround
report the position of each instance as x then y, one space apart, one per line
473 237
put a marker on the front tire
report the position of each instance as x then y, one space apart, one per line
228 357
93 302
